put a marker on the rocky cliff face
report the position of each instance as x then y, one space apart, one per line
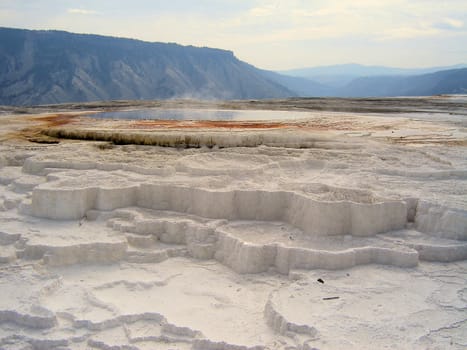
42 67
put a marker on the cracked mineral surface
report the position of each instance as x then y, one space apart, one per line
338 230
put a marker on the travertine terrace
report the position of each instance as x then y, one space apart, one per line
343 229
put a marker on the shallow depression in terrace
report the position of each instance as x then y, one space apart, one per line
202 114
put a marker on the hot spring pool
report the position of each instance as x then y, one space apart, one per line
202 114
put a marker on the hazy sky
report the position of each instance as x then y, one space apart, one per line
270 34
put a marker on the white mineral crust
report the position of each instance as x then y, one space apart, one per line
357 242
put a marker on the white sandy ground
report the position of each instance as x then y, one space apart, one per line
138 247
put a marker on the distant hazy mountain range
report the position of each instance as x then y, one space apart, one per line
44 67
354 80
342 74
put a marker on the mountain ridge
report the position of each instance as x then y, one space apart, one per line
50 66
356 69
453 81
41 67
408 82
339 75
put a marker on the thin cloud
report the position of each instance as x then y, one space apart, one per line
289 33
449 24
265 10
82 12
409 33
